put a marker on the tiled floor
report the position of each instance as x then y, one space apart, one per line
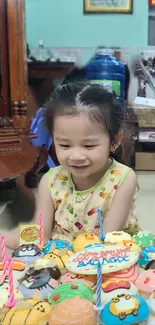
23 206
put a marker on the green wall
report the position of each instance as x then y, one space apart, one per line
61 23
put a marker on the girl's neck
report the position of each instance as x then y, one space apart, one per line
86 183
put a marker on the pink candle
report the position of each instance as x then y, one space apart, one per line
11 301
41 229
3 250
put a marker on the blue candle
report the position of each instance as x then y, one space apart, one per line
102 236
99 283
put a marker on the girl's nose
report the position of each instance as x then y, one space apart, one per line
77 155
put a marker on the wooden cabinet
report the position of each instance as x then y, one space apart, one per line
17 156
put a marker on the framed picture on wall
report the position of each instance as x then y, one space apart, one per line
108 6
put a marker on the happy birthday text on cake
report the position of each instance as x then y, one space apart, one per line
105 257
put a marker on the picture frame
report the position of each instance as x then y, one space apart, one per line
108 6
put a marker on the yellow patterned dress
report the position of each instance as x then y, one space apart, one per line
75 211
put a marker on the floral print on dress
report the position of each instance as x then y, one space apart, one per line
76 211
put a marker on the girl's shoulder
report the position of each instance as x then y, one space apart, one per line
116 173
57 174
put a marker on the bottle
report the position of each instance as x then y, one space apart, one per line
105 69
42 56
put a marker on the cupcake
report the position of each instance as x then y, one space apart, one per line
28 312
58 243
60 257
125 310
114 288
4 296
73 312
83 240
112 238
147 257
28 253
19 269
70 290
72 277
43 278
144 238
146 283
130 274
130 244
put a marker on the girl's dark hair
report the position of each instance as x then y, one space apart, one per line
94 101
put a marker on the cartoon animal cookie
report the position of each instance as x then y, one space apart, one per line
28 253
60 257
115 288
130 244
83 240
31 311
124 305
45 280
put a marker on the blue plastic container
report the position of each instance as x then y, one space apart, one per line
107 70
43 137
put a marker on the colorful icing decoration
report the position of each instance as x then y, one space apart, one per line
31 311
130 274
60 257
146 283
152 303
129 243
115 237
19 270
112 258
146 256
70 290
111 289
114 288
4 296
28 253
44 279
125 310
73 312
72 277
59 244
144 238
83 240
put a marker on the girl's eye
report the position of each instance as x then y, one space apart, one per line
90 146
66 146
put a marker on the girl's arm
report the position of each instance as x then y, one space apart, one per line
120 207
45 207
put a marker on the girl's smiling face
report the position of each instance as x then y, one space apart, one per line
82 146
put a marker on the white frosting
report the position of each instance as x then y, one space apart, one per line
112 259
116 236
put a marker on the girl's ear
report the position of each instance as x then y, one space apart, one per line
117 141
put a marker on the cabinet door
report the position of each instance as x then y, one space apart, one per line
4 75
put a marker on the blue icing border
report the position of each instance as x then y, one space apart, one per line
60 244
93 245
107 318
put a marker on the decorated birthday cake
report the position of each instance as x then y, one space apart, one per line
60 282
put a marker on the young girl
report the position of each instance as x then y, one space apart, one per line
86 121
